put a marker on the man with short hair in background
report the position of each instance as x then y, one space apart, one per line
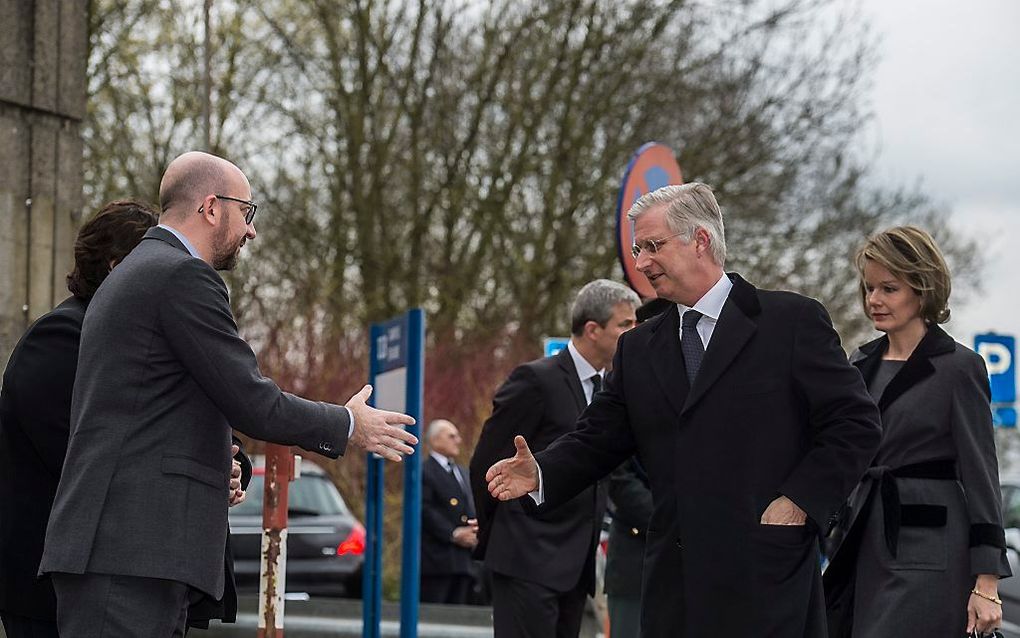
449 530
543 568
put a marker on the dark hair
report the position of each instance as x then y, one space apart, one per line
107 236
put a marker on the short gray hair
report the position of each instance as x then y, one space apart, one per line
435 426
596 302
688 207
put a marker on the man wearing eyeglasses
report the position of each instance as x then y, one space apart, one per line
748 420
139 524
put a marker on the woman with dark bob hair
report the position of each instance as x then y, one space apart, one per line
35 413
922 545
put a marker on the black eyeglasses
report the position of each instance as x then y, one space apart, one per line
249 215
651 246
252 207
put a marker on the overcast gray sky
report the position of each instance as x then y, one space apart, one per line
946 100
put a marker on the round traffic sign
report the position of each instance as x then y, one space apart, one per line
652 166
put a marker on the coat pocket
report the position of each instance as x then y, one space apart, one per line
186 466
922 538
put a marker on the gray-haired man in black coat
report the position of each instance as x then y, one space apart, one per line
749 421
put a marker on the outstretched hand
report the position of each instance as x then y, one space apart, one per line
513 478
380 431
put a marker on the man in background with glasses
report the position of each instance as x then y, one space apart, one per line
139 523
748 420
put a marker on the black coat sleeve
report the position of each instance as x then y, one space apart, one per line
844 422
602 441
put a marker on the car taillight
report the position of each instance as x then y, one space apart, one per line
354 544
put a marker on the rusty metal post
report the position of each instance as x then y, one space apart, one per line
273 572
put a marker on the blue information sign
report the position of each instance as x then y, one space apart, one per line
553 345
999 353
396 372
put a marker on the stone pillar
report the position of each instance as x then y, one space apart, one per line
43 51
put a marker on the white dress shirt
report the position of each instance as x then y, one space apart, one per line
710 306
585 371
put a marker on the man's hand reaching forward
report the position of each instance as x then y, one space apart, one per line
379 431
513 478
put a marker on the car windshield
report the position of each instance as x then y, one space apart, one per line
310 495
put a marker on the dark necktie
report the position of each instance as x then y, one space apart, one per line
596 384
455 475
690 344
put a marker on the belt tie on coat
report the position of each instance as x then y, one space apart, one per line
885 477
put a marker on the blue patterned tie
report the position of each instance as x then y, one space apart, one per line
690 343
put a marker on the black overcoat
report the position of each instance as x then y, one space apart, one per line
776 409
35 414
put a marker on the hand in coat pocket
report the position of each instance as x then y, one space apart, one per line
783 511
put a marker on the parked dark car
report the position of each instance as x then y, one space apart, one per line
325 543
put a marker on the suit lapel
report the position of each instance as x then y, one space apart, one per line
667 359
868 357
733 330
569 370
918 366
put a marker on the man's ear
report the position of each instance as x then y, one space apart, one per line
702 239
211 210
591 328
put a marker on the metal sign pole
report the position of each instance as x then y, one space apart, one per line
397 373
411 558
273 571
371 602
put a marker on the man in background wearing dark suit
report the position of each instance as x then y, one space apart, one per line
139 522
747 418
35 412
544 567
448 525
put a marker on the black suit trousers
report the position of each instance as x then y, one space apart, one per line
24 627
523 609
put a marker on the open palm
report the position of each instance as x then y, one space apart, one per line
513 478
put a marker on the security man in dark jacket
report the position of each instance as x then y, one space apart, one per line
449 530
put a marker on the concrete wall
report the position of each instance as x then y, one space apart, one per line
43 50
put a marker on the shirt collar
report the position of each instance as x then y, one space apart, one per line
445 462
711 303
584 369
184 240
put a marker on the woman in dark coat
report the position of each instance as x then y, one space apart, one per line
922 545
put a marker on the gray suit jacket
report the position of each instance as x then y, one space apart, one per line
162 378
